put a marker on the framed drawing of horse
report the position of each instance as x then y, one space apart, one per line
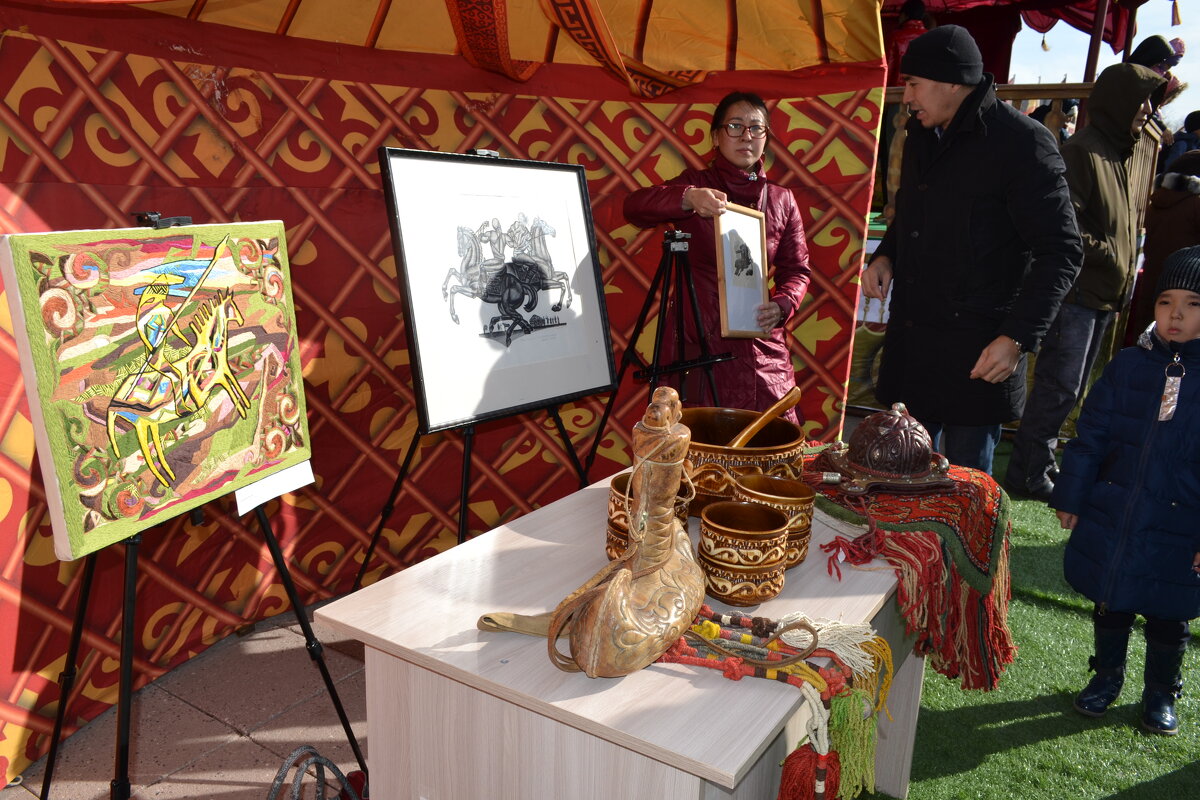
161 367
741 270
503 296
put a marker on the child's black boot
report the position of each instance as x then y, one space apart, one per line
1109 663
1164 681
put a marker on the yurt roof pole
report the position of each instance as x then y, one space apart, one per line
1129 29
1089 72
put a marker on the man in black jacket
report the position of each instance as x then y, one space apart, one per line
982 249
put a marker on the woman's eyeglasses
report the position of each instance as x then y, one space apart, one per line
735 130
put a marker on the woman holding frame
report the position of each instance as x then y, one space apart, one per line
761 371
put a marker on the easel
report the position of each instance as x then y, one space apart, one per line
120 786
674 272
464 488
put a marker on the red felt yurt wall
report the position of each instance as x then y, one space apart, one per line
97 123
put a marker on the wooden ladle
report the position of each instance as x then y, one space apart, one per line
780 406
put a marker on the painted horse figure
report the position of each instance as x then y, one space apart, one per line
472 275
507 290
551 278
154 397
505 285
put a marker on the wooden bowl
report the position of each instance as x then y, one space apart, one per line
775 450
743 534
792 497
742 586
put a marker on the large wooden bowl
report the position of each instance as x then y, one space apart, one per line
775 450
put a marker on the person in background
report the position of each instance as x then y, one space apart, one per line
1130 495
762 370
982 248
1172 222
914 20
1156 53
1061 122
1186 138
1097 159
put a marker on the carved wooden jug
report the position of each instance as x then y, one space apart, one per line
637 606
631 611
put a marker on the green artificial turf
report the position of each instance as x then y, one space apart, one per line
1024 740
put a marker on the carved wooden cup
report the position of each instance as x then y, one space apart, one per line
617 532
793 498
743 551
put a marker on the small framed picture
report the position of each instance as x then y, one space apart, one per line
741 270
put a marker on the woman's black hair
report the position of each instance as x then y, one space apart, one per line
732 99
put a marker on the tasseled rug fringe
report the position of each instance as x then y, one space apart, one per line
837 758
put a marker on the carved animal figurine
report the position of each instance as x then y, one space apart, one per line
637 606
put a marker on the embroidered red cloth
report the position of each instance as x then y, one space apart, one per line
950 552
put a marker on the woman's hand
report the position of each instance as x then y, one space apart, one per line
768 316
1069 521
705 202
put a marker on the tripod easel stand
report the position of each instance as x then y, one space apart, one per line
464 487
674 274
120 786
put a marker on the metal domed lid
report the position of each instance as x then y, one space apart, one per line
891 444
888 451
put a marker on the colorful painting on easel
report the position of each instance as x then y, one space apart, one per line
162 369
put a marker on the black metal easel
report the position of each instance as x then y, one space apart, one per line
674 273
464 489
120 788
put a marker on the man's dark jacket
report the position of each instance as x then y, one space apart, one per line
983 244
1098 160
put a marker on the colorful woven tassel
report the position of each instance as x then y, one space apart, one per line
808 775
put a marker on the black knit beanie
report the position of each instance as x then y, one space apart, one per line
947 54
1181 270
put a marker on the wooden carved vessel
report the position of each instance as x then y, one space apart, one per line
777 450
637 606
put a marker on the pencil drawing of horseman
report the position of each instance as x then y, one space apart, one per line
514 284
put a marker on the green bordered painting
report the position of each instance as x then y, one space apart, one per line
162 370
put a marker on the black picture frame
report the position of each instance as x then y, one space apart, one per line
503 293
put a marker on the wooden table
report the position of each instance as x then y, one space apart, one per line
455 713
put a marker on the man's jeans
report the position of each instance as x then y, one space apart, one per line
1060 374
965 445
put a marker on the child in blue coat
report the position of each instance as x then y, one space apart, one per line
1129 492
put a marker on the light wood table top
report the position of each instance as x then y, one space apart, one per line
692 718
